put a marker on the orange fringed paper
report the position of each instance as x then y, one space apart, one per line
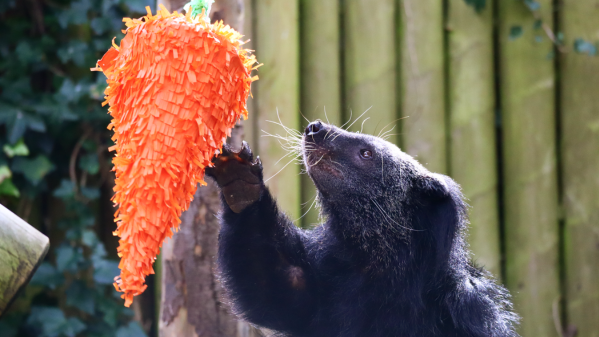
176 87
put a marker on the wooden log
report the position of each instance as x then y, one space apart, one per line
530 195
422 74
580 167
276 38
471 105
320 78
370 63
22 249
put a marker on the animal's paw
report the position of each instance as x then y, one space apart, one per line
238 176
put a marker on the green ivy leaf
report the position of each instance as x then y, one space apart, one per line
16 127
100 25
105 271
4 172
8 188
99 252
532 5
479 5
67 258
131 330
81 297
52 322
33 169
26 53
89 163
89 238
74 326
74 51
48 276
584 47
18 149
90 193
516 32
66 189
76 14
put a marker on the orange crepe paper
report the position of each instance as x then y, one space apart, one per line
176 87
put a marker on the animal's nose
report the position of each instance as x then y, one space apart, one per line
314 128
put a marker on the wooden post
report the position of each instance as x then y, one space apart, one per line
580 167
22 249
320 77
529 167
422 75
471 95
191 294
370 63
276 38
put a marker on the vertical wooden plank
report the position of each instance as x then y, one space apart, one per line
250 125
320 77
580 175
529 167
471 95
276 32
422 86
369 62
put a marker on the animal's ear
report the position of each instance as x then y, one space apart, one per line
434 186
442 212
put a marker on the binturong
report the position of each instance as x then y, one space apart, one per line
390 258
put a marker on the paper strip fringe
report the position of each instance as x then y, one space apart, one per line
176 87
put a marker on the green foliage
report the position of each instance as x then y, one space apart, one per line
479 5
54 151
516 32
18 149
585 47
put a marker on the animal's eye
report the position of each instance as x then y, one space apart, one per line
366 154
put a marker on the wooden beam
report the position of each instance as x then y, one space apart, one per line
320 77
370 63
422 76
580 166
530 188
22 249
276 38
471 95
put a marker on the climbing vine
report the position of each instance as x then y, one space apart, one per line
54 163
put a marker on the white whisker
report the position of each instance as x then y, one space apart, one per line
364 121
291 161
357 119
349 120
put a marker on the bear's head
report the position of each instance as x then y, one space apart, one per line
380 197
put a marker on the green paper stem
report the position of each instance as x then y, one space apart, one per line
198 6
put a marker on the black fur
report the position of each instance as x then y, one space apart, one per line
390 260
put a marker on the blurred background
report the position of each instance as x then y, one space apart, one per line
502 95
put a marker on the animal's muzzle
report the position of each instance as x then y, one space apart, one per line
316 131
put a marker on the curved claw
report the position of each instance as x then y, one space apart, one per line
230 166
246 153
257 164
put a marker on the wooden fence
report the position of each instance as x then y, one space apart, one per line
513 121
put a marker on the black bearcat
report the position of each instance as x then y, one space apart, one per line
390 260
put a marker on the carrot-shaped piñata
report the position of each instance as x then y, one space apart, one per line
176 86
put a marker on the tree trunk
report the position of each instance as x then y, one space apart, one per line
192 297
